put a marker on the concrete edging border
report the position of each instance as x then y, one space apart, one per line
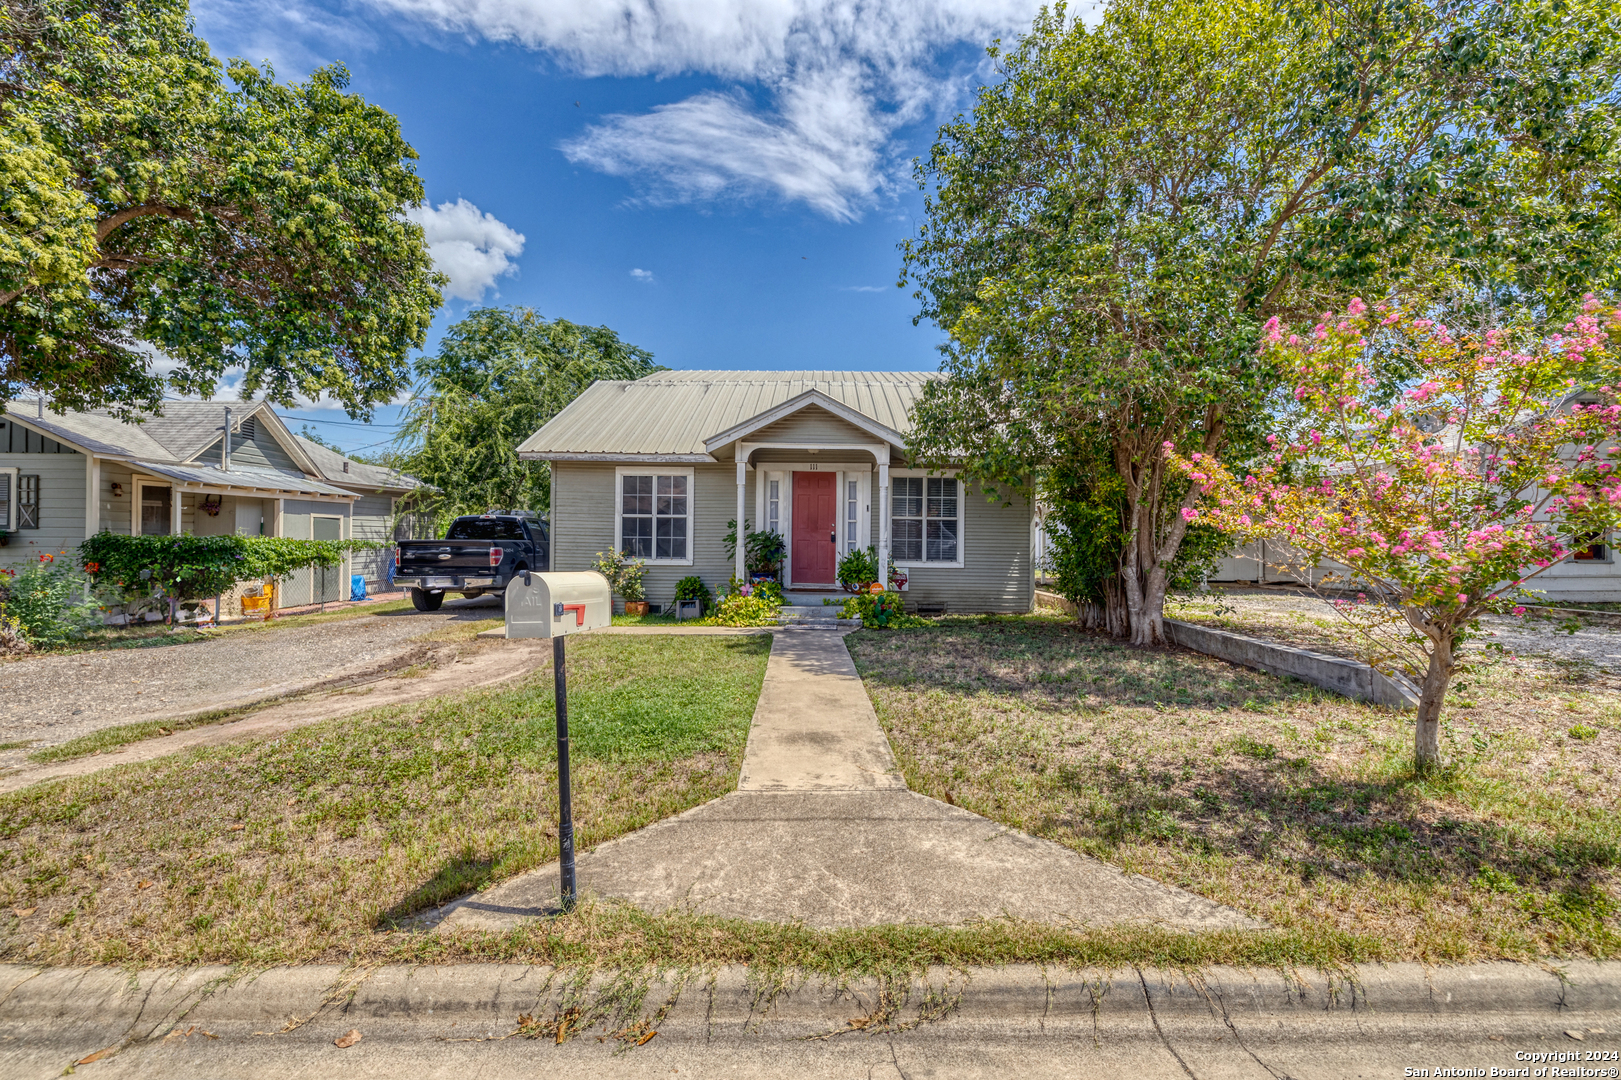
1351 678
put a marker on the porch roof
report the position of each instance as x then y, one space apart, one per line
247 478
672 415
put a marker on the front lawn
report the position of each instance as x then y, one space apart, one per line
1284 801
317 843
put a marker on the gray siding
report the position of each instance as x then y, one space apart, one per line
261 450
199 522
996 574
809 425
373 520
584 501
61 501
116 509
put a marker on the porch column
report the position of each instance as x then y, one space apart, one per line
742 487
174 509
92 495
883 522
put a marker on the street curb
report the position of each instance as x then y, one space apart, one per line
108 997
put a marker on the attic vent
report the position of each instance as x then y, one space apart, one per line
249 428
345 466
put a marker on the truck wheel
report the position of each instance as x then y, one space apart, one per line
423 600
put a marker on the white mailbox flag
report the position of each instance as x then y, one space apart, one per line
554 605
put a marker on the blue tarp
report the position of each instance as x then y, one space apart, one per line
357 587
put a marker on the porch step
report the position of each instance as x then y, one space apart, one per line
814 618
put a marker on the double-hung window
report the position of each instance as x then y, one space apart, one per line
655 512
926 520
773 506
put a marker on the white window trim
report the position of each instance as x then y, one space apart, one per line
653 469
135 508
962 518
10 523
863 537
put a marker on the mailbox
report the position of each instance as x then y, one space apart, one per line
555 605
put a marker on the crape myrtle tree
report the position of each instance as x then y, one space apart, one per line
499 375
1127 206
222 219
1495 460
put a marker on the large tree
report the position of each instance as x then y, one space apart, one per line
499 375
147 204
1127 205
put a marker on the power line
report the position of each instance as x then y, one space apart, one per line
294 416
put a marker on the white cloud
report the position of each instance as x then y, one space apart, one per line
644 276
470 248
839 77
865 288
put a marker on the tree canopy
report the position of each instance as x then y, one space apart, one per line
1127 205
1445 503
499 375
243 224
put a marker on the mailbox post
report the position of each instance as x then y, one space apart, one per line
555 606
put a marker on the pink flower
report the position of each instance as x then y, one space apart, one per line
1189 514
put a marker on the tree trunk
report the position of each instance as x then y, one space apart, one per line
1427 725
1148 622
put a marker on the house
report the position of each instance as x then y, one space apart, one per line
66 476
657 467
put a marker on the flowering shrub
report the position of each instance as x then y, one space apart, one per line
1484 471
880 611
624 574
13 642
46 602
738 609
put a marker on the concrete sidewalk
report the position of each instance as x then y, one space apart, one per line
823 831
495 1021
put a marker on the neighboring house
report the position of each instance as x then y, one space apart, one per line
1588 576
658 466
65 477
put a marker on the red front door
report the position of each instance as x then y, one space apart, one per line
816 507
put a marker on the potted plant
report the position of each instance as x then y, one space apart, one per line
625 578
858 570
691 597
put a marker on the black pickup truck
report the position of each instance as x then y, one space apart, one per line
479 554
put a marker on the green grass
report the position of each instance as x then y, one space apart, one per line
98 742
1284 801
315 843
644 620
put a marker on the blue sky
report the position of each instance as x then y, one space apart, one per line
722 182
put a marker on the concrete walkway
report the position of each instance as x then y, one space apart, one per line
823 831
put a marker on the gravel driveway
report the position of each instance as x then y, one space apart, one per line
52 699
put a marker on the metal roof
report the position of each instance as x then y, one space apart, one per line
672 413
243 477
